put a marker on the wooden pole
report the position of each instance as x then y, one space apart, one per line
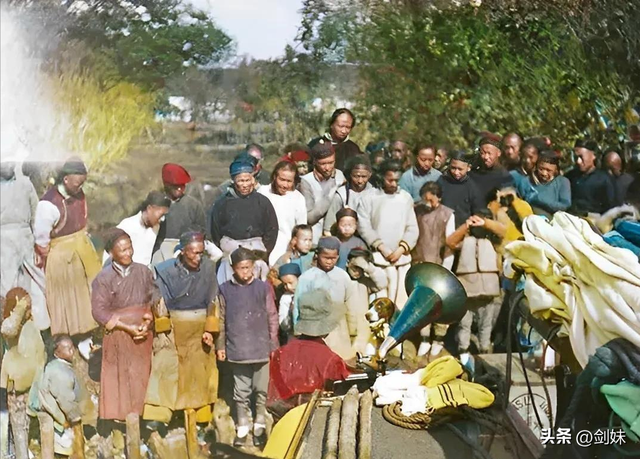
77 449
133 436
330 450
46 436
348 425
192 433
364 426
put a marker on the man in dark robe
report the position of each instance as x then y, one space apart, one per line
185 374
243 218
491 174
122 297
340 126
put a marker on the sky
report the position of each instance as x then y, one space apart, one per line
260 28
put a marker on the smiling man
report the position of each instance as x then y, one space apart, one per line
491 174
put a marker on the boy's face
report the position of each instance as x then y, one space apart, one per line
347 227
431 200
290 282
304 241
390 182
243 270
458 169
327 259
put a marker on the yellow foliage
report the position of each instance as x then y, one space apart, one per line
103 120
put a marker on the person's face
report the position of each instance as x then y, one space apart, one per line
341 127
378 158
613 163
243 270
327 259
441 158
546 172
290 282
175 192
122 251
325 166
192 255
489 155
529 159
256 154
425 159
359 178
585 159
390 182
354 271
511 149
285 181
73 183
304 241
431 200
398 150
458 169
303 167
244 183
155 213
65 350
347 227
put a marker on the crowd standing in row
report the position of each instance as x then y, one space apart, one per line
274 279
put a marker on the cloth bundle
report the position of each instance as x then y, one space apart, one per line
574 278
431 388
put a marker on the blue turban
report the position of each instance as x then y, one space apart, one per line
240 166
289 269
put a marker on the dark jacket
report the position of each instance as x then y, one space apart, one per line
248 321
593 192
183 289
488 179
462 197
244 217
344 150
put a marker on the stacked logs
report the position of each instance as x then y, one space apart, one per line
348 433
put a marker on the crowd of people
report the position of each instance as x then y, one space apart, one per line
271 285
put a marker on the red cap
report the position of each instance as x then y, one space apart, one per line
175 174
300 155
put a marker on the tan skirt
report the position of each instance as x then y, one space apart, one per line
72 265
184 374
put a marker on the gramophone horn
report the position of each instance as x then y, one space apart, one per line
435 295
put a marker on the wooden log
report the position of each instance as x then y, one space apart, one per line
330 449
17 404
46 436
348 425
133 436
77 448
364 426
191 432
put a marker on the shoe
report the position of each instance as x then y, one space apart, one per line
259 437
424 348
240 441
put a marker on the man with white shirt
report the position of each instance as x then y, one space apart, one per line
319 186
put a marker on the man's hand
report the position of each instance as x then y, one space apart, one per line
474 220
207 338
40 255
395 255
221 354
386 252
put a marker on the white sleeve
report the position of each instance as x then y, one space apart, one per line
447 262
301 210
47 216
213 251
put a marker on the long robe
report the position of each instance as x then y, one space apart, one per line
185 373
17 259
126 364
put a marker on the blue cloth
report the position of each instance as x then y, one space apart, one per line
552 196
629 230
615 239
305 261
183 289
346 247
523 184
411 181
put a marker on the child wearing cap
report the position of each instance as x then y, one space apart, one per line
345 229
248 335
289 274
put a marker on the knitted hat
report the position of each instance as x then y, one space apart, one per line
175 174
289 269
458 392
328 243
346 212
490 139
322 149
241 254
624 400
317 313
440 371
73 166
